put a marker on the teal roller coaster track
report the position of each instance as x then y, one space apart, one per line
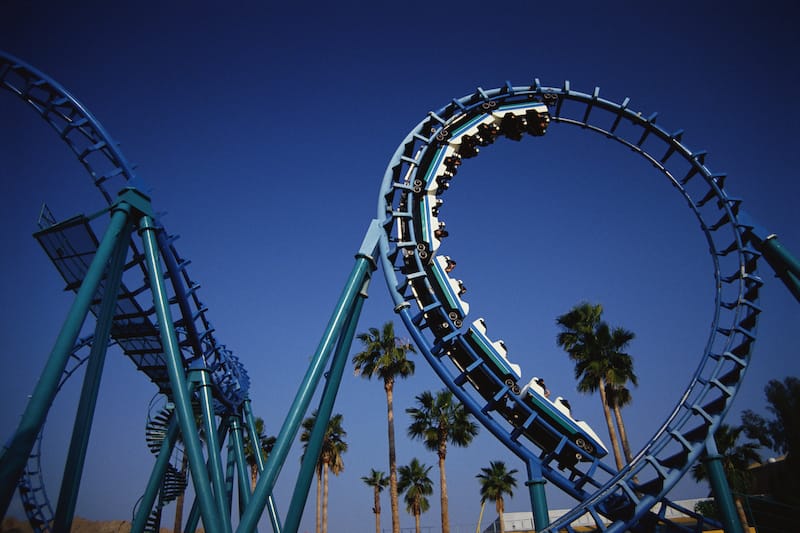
137 286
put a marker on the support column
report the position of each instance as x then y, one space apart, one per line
785 265
15 454
174 362
299 406
720 488
194 513
156 477
535 484
237 444
317 437
76 457
201 376
254 437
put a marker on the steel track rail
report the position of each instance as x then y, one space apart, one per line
625 497
133 330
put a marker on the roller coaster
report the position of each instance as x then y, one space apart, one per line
145 303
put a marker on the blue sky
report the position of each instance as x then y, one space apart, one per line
264 132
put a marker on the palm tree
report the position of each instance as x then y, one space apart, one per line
619 397
330 459
600 362
266 444
736 458
437 421
496 481
416 485
780 432
384 356
378 481
617 394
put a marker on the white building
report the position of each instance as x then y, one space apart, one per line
523 522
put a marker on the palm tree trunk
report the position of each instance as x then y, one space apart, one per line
319 500
623 435
500 506
610 423
480 517
325 498
388 386
253 477
179 500
443 486
416 522
377 510
740 510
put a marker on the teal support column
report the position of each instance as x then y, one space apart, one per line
535 483
303 397
16 452
201 376
317 437
237 443
254 437
229 473
76 457
156 477
193 519
720 489
785 265
174 362
194 513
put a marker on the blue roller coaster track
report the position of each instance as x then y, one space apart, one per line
156 317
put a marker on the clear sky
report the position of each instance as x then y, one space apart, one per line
264 132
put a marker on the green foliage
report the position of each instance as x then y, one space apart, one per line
266 444
384 355
601 363
736 458
439 420
415 484
495 481
781 433
333 443
707 508
376 479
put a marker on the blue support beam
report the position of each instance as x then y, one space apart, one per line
720 488
535 484
156 477
183 405
16 452
254 437
361 270
76 457
317 437
237 446
201 376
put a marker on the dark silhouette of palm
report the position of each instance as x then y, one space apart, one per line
736 459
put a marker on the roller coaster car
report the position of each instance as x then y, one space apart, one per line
421 289
448 290
536 121
558 415
428 229
496 368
